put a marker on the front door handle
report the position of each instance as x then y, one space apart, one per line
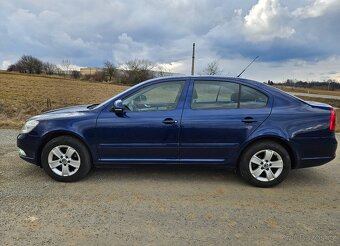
248 120
169 121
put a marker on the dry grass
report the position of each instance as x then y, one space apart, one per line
309 90
333 102
22 96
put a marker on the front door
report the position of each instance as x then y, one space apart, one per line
148 132
218 117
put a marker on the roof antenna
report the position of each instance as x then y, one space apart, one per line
193 60
247 67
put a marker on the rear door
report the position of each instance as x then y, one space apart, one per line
218 117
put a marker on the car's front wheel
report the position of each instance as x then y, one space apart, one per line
66 159
265 164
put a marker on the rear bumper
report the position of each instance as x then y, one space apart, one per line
315 151
313 162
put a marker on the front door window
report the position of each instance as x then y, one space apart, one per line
158 97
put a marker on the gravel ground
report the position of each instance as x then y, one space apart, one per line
164 206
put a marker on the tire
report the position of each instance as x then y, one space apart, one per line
264 164
66 159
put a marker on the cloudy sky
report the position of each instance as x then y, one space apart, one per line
294 39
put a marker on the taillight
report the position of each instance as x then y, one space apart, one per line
332 120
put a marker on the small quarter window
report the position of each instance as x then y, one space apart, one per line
251 98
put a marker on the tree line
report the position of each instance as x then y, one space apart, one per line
32 65
329 84
132 72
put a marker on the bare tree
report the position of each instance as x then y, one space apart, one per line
212 68
109 69
49 68
59 71
138 70
27 64
140 64
65 63
30 64
162 71
12 68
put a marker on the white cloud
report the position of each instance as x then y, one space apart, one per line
231 31
280 71
5 64
316 9
127 49
267 20
71 67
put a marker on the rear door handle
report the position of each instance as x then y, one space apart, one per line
169 121
249 120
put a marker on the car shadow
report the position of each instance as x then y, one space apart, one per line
166 173
299 177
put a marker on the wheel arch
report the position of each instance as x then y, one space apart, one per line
280 140
51 135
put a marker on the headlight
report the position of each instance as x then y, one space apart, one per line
29 126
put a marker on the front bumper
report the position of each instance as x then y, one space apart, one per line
28 145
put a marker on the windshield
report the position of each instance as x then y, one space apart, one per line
116 96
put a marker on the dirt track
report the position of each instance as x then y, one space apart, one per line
157 206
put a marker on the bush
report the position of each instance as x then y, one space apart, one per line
75 74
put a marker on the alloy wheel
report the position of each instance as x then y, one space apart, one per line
266 165
64 160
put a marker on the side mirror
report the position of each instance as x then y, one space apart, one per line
118 107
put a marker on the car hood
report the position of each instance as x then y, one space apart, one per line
63 112
72 109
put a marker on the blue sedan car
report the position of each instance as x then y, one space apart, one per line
255 129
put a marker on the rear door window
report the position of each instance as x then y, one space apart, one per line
226 95
215 95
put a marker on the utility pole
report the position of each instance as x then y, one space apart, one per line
193 60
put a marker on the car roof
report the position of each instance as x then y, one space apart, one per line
210 77
274 91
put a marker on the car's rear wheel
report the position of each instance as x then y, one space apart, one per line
66 159
265 164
